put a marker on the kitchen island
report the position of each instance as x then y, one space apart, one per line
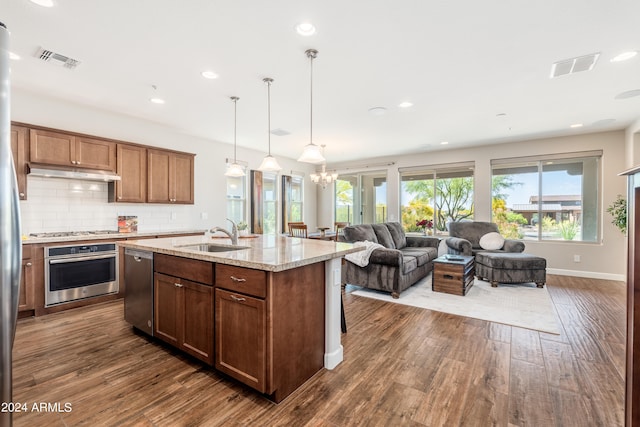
267 314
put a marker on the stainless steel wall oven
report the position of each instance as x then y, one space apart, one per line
77 272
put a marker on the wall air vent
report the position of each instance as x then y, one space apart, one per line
55 58
574 65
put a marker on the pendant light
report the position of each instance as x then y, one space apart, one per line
269 163
234 168
311 153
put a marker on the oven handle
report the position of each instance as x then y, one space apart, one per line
83 258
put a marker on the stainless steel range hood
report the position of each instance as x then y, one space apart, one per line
74 174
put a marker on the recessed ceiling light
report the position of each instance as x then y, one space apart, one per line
209 75
305 29
377 111
624 56
628 94
157 100
405 104
501 115
576 125
444 142
43 3
14 56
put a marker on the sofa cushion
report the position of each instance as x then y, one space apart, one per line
409 264
383 235
511 261
359 233
422 255
397 234
492 241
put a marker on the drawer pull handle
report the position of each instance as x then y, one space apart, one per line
238 279
447 276
178 285
238 299
29 264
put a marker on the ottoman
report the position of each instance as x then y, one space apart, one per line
509 267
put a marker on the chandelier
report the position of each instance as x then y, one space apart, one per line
323 178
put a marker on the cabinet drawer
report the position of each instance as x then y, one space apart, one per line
240 279
190 269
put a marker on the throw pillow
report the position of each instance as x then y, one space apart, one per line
492 241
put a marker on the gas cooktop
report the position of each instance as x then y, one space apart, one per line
73 233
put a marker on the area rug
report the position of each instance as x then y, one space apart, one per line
521 305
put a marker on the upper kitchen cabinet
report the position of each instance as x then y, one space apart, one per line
64 149
20 150
132 169
170 177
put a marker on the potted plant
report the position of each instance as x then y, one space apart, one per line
618 210
426 225
243 228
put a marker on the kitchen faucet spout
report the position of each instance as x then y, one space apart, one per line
233 234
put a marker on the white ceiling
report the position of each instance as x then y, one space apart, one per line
461 63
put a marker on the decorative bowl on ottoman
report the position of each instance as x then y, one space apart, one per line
506 267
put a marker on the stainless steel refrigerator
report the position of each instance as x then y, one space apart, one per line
10 243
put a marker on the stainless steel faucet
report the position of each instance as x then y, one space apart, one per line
233 234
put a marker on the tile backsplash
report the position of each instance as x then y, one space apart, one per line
74 205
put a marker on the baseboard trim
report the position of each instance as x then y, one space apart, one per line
587 274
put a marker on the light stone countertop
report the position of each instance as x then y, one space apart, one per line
111 236
268 253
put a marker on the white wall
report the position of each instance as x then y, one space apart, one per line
632 145
60 205
606 259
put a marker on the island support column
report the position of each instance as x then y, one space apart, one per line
333 353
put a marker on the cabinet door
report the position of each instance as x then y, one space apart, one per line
52 148
158 176
26 301
132 168
167 308
95 154
241 338
20 150
197 321
181 179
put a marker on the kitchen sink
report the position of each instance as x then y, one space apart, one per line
210 247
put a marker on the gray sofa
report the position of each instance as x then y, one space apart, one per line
464 238
403 261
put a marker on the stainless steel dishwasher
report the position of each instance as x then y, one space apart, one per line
138 297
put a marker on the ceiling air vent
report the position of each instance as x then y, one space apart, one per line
574 65
55 58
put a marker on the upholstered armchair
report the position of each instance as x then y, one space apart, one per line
471 237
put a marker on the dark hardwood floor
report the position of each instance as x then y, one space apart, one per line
403 366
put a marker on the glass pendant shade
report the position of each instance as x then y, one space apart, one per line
234 168
311 154
269 164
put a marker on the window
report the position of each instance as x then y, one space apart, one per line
292 200
441 193
361 198
236 198
270 198
552 197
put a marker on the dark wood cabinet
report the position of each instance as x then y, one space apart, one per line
20 150
132 169
240 325
170 177
66 149
183 305
26 300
